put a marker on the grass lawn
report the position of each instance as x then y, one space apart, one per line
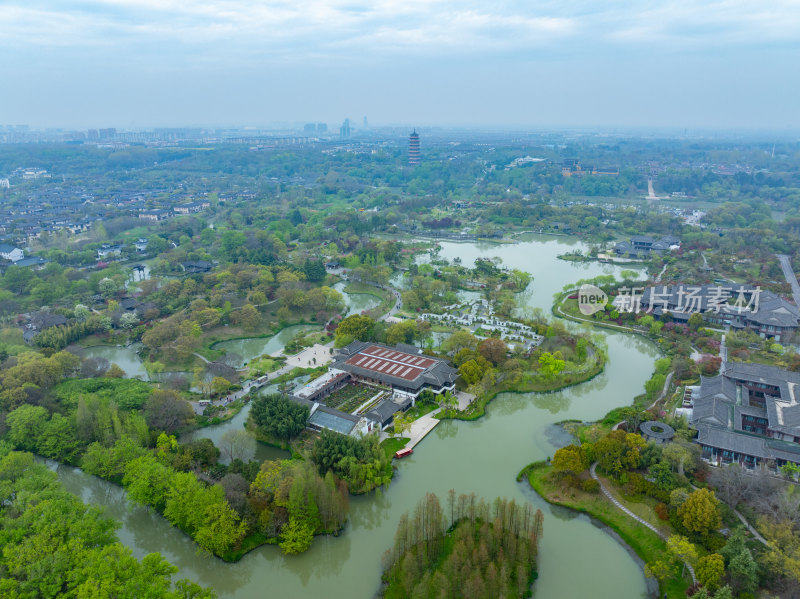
644 542
392 444
421 409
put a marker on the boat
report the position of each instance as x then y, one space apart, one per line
401 453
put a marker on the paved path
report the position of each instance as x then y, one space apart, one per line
641 521
752 530
203 358
661 274
464 399
419 428
398 303
316 355
791 278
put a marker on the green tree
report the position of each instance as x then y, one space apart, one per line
296 536
26 425
401 332
356 327
220 386
247 317
661 570
700 512
682 549
569 459
460 340
471 372
276 416
551 364
743 572
710 571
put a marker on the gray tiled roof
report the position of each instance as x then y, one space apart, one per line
333 419
438 374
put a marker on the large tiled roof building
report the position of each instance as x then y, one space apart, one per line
767 314
749 414
403 368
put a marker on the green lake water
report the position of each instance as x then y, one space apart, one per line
577 558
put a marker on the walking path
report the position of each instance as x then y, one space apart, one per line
419 428
791 278
316 355
661 274
752 530
641 521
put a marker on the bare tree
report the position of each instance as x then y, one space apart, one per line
238 445
733 485
94 367
167 411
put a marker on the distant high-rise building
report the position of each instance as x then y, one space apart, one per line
344 130
366 125
413 148
322 127
309 128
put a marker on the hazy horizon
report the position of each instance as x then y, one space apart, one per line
726 65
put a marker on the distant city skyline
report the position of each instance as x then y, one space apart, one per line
148 63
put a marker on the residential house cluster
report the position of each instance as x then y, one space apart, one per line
572 167
478 315
16 257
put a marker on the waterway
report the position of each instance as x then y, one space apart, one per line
253 347
126 357
355 303
263 452
577 558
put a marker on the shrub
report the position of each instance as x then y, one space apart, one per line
590 485
661 511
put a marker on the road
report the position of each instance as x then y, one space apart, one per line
791 278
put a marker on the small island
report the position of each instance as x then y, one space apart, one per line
495 543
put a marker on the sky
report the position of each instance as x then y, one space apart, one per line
530 63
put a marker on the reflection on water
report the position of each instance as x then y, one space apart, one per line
253 347
577 559
355 303
215 432
126 358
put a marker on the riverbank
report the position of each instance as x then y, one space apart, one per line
387 299
643 542
477 408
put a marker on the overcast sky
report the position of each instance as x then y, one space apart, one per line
139 63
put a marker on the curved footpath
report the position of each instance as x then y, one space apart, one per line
613 500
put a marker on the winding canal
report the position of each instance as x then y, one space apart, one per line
577 558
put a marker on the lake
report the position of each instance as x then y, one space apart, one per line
577 558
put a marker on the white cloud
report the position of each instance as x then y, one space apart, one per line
379 27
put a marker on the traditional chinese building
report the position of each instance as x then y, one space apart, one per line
749 414
413 148
737 306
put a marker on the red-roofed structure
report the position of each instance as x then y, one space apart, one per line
403 368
